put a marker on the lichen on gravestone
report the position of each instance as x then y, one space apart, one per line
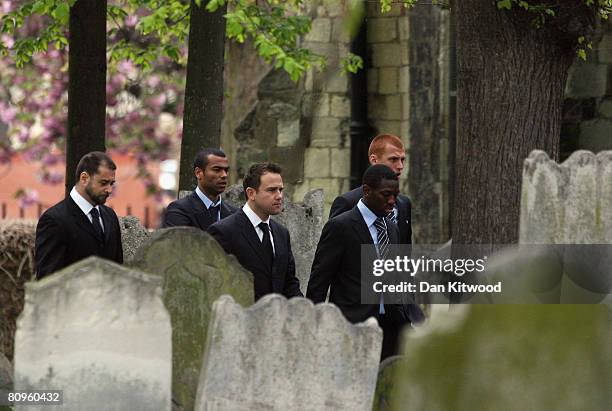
195 271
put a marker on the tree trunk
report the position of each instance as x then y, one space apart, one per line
203 89
511 79
87 83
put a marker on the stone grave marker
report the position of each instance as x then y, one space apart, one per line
508 357
284 354
195 271
99 332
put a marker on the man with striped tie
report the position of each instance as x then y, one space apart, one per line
389 150
337 262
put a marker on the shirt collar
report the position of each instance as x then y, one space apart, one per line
207 202
366 213
253 218
83 204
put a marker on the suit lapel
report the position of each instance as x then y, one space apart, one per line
279 245
225 210
201 213
248 232
402 208
106 220
81 220
360 227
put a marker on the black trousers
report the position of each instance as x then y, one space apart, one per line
392 328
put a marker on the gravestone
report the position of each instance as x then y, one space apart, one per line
133 236
508 357
386 382
303 220
99 332
284 354
195 271
568 203
571 203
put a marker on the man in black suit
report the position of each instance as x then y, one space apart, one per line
203 207
80 225
389 150
261 245
337 262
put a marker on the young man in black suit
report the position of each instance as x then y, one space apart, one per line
203 207
337 262
80 225
261 245
389 150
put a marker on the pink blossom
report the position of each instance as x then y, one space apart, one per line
6 7
117 81
131 20
153 81
8 41
50 160
126 67
27 197
24 135
7 113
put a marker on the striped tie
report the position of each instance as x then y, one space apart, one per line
383 250
383 237
391 216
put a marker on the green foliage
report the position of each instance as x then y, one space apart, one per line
163 25
352 63
385 5
543 12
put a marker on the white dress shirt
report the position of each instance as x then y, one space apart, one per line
255 220
85 206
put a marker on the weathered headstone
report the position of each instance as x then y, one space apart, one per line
303 220
387 380
509 357
568 203
133 236
287 354
99 332
195 272
571 203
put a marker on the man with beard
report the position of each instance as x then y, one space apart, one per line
260 244
203 207
80 225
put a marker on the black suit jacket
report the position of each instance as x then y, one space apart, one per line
404 219
237 236
337 266
64 235
191 211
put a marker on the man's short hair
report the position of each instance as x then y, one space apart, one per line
90 163
253 176
201 159
377 146
376 173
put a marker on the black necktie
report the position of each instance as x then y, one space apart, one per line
383 237
266 243
214 212
95 221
